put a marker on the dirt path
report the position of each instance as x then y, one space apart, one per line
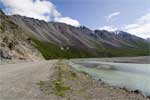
18 81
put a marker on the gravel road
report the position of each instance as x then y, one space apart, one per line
19 81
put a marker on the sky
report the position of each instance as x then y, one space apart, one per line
132 16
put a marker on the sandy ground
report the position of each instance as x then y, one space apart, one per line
19 82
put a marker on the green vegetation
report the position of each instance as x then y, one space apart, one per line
122 52
51 51
40 83
60 88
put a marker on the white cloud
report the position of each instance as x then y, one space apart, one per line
110 16
141 27
68 20
108 28
39 9
42 10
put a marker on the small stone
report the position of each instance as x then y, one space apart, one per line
136 91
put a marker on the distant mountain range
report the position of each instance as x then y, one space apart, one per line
59 40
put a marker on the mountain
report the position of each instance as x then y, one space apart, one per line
14 43
59 40
148 39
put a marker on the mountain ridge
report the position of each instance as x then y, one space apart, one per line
59 40
62 28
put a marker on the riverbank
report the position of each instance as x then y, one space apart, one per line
68 84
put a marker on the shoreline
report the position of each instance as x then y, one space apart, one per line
133 93
136 91
67 83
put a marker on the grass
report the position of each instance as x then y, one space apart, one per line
60 88
57 86
66 83
40 83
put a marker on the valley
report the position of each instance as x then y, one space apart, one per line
42 60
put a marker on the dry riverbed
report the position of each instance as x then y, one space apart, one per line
55 80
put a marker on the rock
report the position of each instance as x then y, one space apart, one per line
100 80
1 53
136 91
15 39
124 88
148 97
5 55
11 46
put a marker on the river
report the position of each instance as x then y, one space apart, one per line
129 75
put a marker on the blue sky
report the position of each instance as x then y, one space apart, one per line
92 12
128 15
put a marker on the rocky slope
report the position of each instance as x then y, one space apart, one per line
20 35
14 43
63 34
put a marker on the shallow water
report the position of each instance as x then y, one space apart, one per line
131 76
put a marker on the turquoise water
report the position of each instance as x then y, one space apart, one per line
130 76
